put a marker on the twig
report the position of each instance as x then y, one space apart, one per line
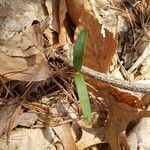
123 84
136 87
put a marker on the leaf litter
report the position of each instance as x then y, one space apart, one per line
34 84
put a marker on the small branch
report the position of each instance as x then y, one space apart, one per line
136 87
123 84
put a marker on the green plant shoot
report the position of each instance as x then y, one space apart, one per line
78 52
83 96
78 55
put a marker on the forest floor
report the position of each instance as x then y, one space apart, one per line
41 104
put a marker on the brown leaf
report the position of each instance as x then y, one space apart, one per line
27 119
100 50
62 15
30 69
101 44
37 34
139 137
59 146
119 116
90 136
144 102
64 134
52 8
23 58
8 118
50 25
76 8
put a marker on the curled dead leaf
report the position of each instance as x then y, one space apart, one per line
65 135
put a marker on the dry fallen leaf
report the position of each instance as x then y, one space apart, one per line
65 135
23 42
90 136
101 44
30 69
75 9
29 139
15 17
62 15
139 137
8 117
23 59
100 48
144 102
119 117
27 119
52 10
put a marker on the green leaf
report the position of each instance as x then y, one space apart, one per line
78 52
83 96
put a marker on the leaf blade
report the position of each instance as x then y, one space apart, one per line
83 97
78 52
